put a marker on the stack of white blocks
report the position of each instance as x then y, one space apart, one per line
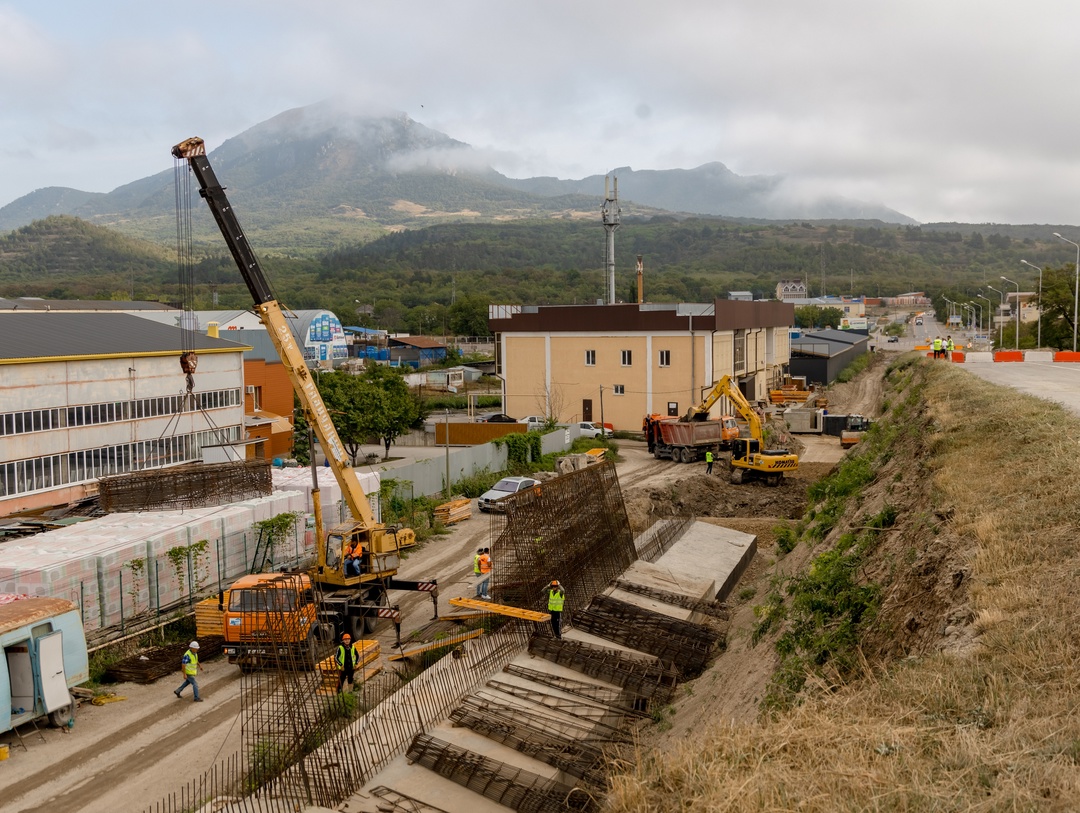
299 479
118 566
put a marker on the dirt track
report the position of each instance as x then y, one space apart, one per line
128 755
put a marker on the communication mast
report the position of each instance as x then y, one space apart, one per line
610 215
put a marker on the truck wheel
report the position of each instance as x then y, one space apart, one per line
369 624
355 627
687 456
65 715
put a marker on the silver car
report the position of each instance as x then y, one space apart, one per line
489 500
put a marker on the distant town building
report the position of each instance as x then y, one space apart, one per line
741 296
621 362
790 289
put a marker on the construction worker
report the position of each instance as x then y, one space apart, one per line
484 562
708 461
346 661
352 560
937 347
476 571
949 347
189 666
556 596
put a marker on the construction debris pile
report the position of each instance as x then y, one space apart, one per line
192 486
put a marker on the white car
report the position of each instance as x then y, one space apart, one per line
534 421
588 429
489 500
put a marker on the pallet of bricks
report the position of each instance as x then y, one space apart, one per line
454 511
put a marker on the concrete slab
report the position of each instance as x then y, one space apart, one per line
705 564
651 604
423 785
650 574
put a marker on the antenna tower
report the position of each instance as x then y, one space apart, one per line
610 215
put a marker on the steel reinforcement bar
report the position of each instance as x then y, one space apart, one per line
715 609
516 788
648 679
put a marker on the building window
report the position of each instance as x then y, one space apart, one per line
590 358
627 358
620 389
665 358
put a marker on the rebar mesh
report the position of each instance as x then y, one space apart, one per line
573 528
715 609
683 643
516 788
192 486
649 679
658 538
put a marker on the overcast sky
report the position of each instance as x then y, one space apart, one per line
949 110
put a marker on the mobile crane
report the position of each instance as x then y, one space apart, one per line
749 461
350 601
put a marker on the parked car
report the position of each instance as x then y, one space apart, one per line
495 417
592 430
534 421
893 339
489 500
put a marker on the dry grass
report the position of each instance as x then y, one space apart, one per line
994 725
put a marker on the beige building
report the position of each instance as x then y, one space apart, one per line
617 363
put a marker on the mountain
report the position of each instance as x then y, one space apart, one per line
325 175
713 189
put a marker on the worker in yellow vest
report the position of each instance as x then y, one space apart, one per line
556 596
346 662
189 666
708 461
937 347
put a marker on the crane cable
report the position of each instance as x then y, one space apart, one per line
185 266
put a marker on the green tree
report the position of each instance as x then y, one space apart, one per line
349 400
813 316
390 407
468 316
1058 305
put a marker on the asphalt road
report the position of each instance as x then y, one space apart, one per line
1054 382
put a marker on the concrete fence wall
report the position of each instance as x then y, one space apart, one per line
429 476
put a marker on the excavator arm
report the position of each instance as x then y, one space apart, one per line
725 388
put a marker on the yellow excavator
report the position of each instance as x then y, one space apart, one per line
356 560
749 461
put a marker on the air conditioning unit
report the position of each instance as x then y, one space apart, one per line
249 389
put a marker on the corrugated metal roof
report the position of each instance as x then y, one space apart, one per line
38 335
37 304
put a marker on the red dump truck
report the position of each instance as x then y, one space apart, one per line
687 441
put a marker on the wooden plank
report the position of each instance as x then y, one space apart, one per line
462 616
448 641
500 609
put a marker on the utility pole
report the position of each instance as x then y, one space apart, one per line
446 438
602 432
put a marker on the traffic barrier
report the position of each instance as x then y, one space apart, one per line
1008 355
1066 355
958 356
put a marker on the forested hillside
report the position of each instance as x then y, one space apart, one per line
442 278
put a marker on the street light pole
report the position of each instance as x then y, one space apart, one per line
1038 341
977 315
1017 284
949 316
1076 287
1001 323
989 304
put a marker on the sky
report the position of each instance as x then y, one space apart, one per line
944 110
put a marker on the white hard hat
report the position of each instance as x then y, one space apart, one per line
193 645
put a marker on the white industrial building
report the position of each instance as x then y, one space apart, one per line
85 395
